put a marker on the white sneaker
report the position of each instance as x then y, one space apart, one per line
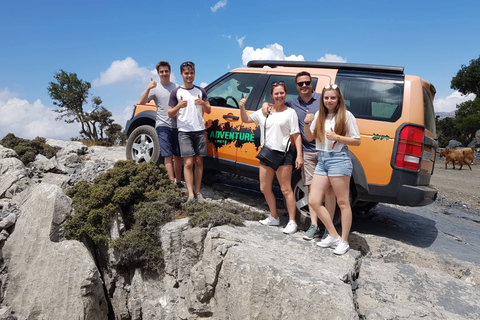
291 227
329 242
342 247
270 221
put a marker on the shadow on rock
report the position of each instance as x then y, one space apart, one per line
395 224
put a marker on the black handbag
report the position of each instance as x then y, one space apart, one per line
270 157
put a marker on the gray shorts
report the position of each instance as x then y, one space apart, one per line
310 160
192 143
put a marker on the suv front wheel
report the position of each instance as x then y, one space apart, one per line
143 145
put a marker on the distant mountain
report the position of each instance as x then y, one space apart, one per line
442 115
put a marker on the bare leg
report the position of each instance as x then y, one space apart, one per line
284 177
319 186
330 202
198 173
177 167
188 174
266 175
169 167
341 187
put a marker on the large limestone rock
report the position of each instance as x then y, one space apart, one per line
238 273
49 280
402 291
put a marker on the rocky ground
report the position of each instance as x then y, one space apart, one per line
458 188
390 275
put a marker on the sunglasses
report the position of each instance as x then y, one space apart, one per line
306 83
188 64
331 86
278 83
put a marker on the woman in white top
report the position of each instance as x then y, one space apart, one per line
334 128
276 129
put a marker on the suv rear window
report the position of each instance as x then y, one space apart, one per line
372 98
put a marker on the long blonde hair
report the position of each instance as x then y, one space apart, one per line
340 115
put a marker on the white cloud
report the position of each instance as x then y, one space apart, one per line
270 52
240 40
227 36
449 103
328 57
218 5
26 120
203 84
122 70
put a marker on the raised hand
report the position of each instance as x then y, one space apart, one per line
243 101
199 101
308 117
331 135
182 103
152 84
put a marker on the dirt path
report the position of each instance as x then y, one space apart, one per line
458 187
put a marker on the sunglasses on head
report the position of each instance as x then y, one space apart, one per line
331 86
306 83
188 64
278 83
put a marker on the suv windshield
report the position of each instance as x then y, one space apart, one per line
229 91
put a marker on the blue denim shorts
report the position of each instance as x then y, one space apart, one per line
168 138
334 164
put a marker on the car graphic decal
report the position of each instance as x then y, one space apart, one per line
223 134
380 137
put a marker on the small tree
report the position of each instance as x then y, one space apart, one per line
70 95
467 79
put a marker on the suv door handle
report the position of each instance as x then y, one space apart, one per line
229 116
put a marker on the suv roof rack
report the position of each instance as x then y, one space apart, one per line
328 65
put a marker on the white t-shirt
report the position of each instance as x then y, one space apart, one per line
280 126
190 118
335 146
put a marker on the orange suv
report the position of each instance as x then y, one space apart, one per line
394 112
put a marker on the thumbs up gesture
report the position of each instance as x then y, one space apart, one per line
182 103
308 117
243 101
199 101
152 84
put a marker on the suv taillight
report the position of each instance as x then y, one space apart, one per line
409 149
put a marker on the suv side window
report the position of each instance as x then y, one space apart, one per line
429 113
375 99
228 91
291 88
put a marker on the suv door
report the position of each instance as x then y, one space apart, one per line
225 133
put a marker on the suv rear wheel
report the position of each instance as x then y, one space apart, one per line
143 145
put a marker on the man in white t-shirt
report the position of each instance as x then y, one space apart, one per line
188 103
165 126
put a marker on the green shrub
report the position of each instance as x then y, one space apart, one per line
28 149
146 199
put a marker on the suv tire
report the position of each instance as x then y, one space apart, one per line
143 145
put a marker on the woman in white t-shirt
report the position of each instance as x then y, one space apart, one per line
276 129
334 128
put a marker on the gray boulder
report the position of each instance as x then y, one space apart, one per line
7 153
43 164
452 144
49 280
67 147
14 177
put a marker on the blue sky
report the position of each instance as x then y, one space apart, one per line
116 44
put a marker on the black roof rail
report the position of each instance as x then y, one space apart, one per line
327 65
